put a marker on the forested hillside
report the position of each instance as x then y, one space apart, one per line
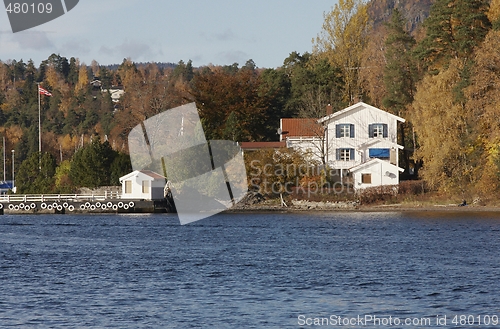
443 80
414 12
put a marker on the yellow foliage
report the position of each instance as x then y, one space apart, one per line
65 105
494 11
441 126
83 79
56 81
483 103
13 134
4 77
373 64
488 180
343 40
52 77
460 144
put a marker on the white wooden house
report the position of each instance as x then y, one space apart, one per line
304 134
375 172
143 185
360 140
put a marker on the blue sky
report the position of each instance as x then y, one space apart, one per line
216 32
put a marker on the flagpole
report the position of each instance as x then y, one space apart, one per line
4 177
39 121
39 129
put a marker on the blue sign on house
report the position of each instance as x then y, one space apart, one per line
5 186
379 153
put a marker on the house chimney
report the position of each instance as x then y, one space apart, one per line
329 109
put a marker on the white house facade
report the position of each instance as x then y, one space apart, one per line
375 172
303 134
361 140
143 185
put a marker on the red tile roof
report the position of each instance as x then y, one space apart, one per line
261 145
300 127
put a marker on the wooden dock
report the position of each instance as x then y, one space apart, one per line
77 203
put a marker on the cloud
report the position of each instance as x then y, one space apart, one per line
36 40
133 49
233 56
79 47
227 35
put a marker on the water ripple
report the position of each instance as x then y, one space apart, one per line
244 270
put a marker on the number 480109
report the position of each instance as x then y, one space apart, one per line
25 8
470 320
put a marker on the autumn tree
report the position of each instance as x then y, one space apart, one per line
453 29
275 172
83 79
62 181
443 132
222 91
494 14
483 96
342 40
373 65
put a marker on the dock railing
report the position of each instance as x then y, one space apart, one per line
58 197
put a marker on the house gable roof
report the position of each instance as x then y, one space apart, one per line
354 107
300 127
152 174
374 161
380 142
149 173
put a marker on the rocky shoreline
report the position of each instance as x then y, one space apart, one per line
256 202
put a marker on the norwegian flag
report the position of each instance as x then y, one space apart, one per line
44 91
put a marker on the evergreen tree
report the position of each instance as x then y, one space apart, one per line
120 166
275 86
36 174
232 130
400 76
400 71
314 83
453 29
91 165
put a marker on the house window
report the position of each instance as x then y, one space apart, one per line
378 130
145 186
366 178
344 130
345 154
379 153
128 186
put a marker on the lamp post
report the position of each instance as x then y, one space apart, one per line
13 172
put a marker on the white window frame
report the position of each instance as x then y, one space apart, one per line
378 130
128 187
345 155
145 186
345 130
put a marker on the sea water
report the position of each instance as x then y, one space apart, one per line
252 270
